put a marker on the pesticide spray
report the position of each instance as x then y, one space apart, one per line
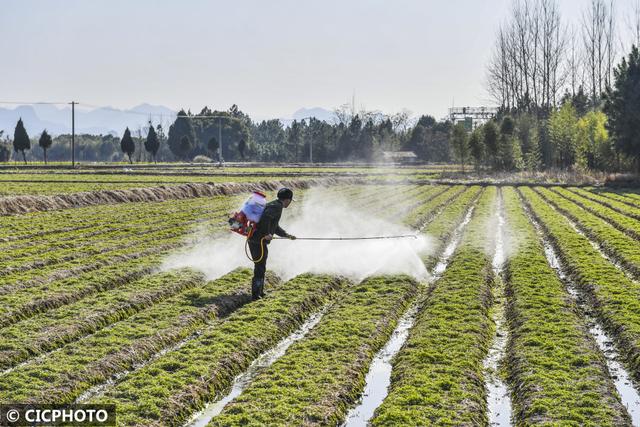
321 215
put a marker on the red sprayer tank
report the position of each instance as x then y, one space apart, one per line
244 221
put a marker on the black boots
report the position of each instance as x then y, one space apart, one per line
257 288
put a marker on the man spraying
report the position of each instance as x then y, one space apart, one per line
261 237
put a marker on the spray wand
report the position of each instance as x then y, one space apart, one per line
399 236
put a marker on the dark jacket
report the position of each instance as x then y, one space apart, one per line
269 222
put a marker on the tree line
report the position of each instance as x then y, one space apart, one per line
563 101
231 134
573 135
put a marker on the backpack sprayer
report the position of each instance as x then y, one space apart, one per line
244 223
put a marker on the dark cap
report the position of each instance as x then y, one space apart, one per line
285 193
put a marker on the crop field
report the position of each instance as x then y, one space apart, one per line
40 180
520 306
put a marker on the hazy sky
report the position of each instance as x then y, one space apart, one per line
269 57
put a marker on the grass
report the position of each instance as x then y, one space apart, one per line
615 297
48 331
624 223
62 376
612 241
169 389
437 376
321 376
555 370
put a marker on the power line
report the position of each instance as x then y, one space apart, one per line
140 113
33 103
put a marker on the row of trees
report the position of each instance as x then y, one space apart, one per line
361 136
538 57
565 140
350 137
572 135
558 85
89 147
22 143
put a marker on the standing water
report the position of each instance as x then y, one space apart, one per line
498 399
378 378
622 380
241 382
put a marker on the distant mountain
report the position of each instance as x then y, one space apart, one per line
104 120
304 113
317 112
108 120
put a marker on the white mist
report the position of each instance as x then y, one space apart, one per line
322 213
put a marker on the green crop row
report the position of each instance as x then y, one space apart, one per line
634 195
22 303
116 304
55 269
375 194
40 256
68 238
618 206
321 376
556 372
428 193
62 375
88 314
627 197
51 185
443 226
167 390
425 212
46 332
626 224
613 294
613 242
93 218
399 203
64 227
437 376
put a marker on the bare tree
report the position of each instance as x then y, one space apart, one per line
575 67
598 35
610 46
343 114
633 23
527 69
552 42
401 121
497 78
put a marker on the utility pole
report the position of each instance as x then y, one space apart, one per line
73 134
220 160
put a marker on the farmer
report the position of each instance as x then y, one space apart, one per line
266 228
